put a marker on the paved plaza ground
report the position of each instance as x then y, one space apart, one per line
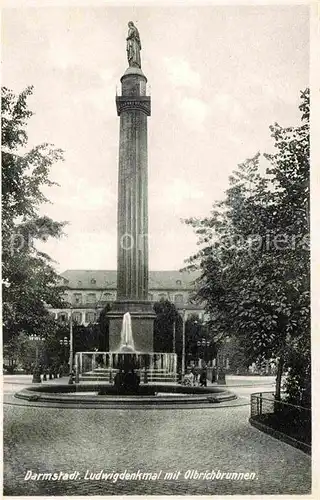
221 439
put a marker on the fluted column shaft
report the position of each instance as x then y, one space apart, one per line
133 107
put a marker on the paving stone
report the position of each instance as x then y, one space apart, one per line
54 440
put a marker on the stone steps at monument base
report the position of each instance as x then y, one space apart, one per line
103 375
156 376
106 371
105 379
150 373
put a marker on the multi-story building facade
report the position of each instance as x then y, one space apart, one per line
89 291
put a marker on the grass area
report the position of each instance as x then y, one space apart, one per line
293 423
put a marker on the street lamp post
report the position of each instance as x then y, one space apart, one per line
174 337
71 350
36 377
64 342
204 344
183 341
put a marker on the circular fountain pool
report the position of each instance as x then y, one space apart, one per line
108 396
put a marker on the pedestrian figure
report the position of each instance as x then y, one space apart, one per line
203 378
194 375
118 379
71 377
188 378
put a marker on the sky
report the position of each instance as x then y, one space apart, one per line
218 78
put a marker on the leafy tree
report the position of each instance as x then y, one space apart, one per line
194 334
198 333
20 351
29 279
237 357
167 315
254 253
169 318
103 329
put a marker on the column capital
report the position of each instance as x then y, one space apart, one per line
135 103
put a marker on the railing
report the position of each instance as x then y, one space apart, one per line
262 403
290 420
154 364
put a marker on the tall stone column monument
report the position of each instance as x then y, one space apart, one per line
133 108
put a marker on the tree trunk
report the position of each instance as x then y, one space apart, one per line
278 378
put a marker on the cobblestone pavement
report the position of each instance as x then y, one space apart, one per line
219 439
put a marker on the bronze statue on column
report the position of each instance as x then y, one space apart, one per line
133 46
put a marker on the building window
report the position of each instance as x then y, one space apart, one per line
191 298
91 317
91 298
178 299
77 298
107 297
77 317
93 281
79 283
162 296
178 282
150 296
62 317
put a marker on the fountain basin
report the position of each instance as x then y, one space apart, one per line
108 396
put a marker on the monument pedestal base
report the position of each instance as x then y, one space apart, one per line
142 320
